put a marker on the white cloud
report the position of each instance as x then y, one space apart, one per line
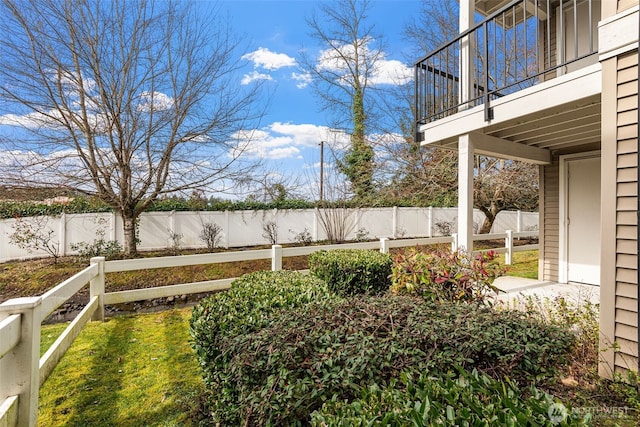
253 76
283 153
384 71
391 72
156 101
287 140
264 58
303 79
31 120
305 135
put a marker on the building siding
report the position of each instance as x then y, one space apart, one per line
626 256
626 4
550 222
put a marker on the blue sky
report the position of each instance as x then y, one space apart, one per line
276 31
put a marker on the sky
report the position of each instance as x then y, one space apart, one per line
277 32
274 33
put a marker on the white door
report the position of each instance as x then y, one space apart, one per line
583 221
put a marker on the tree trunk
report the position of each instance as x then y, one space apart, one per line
130 241
489 217
487 224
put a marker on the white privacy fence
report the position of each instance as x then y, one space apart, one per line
246 228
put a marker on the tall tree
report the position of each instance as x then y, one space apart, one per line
342 76
127 100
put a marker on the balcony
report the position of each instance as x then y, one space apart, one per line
527 61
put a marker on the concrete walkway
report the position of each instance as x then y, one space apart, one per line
514 288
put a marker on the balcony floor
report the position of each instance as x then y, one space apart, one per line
557 115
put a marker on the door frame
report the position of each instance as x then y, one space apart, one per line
563 204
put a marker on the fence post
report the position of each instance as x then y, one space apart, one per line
314 226
172 224
394 222
96 288
508 243
454 242
276 258
519 221
430 221
384 245
226 229
62 241
19 369
112 226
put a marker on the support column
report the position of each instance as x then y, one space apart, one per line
465 193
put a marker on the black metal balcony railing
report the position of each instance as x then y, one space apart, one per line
519 45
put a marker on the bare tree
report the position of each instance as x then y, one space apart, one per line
127 100
342 76
503 185
273 187
429 175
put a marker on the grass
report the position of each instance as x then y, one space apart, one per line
524 264
129 371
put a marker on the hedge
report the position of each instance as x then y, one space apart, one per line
273 367
352 271
248 306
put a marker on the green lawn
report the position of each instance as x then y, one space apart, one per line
524 264
129 371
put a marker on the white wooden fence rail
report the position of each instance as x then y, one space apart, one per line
23 371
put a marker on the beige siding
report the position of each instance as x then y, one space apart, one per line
626 4
626 262
551 221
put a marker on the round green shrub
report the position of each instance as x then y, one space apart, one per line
246 307
352 271
305 356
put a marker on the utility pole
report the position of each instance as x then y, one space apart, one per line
321 170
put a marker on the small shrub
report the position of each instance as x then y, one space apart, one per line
352 271
100 246
270 232
362 234
109 249
580 317
211 235
34 234
245 308
452 399
175 242
304 237
444 227
442 275
285 366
